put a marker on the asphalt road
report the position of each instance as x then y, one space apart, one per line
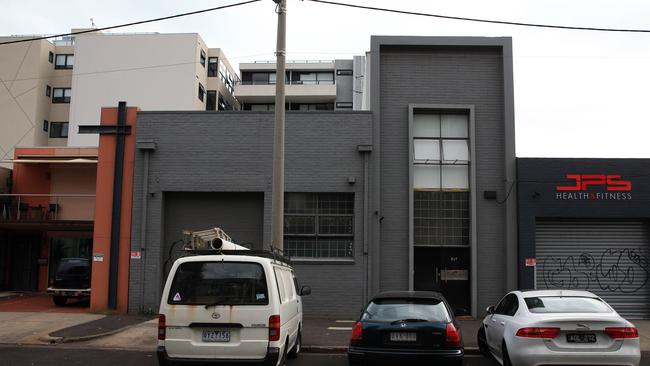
64 356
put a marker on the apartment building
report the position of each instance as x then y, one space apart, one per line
49 88
310 85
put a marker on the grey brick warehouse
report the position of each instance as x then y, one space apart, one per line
214 169
417 193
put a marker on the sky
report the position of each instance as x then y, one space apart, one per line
577 93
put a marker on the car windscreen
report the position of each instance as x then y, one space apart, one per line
73 267
389 310
566 304
219 283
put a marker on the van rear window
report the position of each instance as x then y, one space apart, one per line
219 283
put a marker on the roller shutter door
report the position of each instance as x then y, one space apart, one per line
609 258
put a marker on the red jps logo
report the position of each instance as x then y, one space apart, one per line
595 187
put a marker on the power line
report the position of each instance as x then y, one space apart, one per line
132 23
482 20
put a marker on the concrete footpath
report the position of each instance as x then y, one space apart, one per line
139 333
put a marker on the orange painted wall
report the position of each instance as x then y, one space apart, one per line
103 211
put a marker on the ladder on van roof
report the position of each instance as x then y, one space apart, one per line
216 241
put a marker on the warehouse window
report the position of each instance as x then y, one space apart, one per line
319 225
441 161
50 57
48 90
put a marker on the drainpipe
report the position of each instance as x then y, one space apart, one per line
146 146
365 150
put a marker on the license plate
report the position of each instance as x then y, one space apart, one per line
402 337
216 336
581 338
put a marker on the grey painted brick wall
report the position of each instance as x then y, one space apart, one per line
232 152
442 75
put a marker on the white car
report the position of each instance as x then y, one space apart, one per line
230 309
552 327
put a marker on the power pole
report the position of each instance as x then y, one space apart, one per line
277 219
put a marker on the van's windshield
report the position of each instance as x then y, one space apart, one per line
219 283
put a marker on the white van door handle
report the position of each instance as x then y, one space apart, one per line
503 323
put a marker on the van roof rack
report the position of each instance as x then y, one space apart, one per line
273 253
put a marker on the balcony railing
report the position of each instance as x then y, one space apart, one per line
296 62
46 207
292 82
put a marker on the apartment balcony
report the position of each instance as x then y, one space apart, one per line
47 211
296 91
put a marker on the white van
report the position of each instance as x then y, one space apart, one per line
230 309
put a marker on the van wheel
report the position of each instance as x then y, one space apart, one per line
296 347
283 360
59 300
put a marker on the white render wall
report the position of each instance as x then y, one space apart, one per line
112 68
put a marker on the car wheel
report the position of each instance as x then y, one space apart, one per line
59 300
505 356
482 343
296 347
352 360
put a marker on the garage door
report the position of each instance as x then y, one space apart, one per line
608 258
240 215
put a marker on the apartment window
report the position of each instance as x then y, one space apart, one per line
319 225
61 95
50 57
64 61
441 159
213 67
312 106
262 78
258 107
313 78
46 125
344 72
211 101
223 104
48 90
203 58
343 105
201 92
226 77
58 129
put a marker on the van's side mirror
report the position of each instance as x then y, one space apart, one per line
490 310
305 290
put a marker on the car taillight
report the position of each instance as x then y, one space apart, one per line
161 327
452 336
623 332
357 334
274 328
546 333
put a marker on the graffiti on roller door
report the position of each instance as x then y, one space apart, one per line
615 270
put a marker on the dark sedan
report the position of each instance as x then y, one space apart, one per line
407 326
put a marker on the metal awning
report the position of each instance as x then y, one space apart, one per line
50 161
